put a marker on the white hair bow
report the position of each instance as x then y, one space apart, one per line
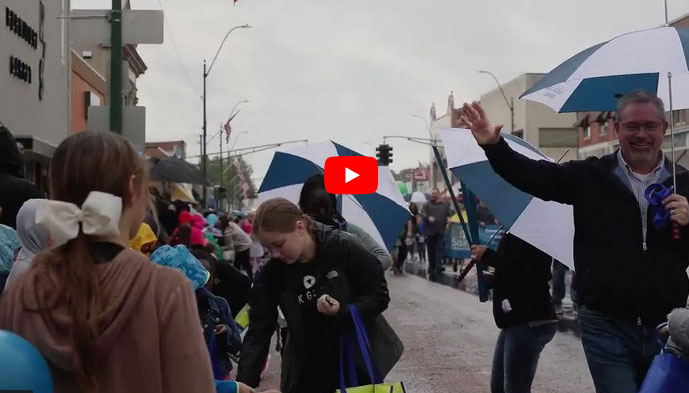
99 215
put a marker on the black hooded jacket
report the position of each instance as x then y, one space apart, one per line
343 269
522 273
14 189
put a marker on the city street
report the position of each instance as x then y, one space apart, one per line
159 159
449 338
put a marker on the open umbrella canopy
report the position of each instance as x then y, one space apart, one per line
548 226
593 79
171 169
381 214
417 197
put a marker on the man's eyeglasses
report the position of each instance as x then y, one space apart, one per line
636 127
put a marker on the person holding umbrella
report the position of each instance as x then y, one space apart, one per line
522 309
631 270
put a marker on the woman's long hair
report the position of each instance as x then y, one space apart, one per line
85 162
320 205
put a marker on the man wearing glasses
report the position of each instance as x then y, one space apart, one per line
630 273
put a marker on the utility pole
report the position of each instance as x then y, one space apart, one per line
116 67
206 71
203 144
220 173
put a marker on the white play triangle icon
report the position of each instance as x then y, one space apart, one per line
350 175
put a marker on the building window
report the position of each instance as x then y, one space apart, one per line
603 130
587 132
557 137
679 117
519 133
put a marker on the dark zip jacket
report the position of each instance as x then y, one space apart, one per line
522 275
618 273
352 275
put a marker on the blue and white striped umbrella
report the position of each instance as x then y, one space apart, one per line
548 226
594 78
381 214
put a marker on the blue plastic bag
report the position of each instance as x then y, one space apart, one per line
668 374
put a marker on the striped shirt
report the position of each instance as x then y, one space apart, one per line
638 184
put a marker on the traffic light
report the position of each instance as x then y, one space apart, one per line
384 154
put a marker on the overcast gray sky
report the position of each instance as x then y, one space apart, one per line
355 70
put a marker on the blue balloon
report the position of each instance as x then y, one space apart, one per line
226 387
21 365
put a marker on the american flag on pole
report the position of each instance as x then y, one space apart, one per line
228 129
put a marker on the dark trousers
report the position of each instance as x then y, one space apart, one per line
242 260
516 357
435 245
402 253
618 352
421 247
559 287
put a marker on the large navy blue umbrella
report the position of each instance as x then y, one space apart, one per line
382 214
547 225
593 79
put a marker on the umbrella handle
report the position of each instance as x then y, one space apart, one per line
675 230
466 270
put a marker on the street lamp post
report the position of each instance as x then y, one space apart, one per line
428 126
430 134
206 71
510 102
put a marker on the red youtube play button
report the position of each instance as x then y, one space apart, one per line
351 175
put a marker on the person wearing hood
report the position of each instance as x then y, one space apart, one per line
187 233
213 228
206 226
315 201
33 238
145 240
219 329
9 246
15 189
211 221
315 271
197 221
103 316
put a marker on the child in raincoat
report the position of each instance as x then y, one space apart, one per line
220 331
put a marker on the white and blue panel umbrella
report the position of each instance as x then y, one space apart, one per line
548 226
381 214
593 79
